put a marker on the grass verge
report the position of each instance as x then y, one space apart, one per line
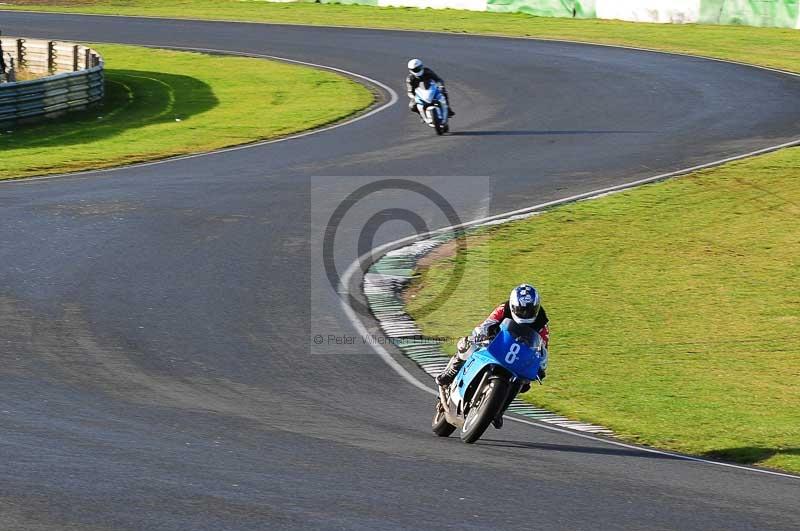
675 309
774 47
162 103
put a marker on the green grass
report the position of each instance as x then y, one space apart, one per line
768 46
161 103
675 308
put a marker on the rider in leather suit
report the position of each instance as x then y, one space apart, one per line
419 73
523 306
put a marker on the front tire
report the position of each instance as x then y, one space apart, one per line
437 124
483 412
440 426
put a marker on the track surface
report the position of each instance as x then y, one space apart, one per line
156 372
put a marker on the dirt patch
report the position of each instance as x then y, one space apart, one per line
443 252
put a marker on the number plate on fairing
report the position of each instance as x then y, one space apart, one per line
516 356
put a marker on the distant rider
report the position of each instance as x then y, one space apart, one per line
524 307
419 73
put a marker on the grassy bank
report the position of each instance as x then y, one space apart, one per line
768 46
161 103
675 309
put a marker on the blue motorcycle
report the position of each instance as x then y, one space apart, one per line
488 382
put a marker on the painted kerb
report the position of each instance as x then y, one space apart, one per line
75 80
383 287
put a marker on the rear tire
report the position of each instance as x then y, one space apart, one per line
480 416
440 426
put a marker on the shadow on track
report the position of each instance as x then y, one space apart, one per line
545 133
750 455
133 99
622 452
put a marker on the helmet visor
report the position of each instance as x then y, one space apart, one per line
525 311
417 71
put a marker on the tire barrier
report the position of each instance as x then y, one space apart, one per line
72 79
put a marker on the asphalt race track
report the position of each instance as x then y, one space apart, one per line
156 320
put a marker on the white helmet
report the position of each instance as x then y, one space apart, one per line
416 67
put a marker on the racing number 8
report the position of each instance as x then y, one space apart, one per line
511 357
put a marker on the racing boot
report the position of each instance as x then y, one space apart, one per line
497 422
447 376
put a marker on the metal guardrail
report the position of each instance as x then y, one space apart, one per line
74 78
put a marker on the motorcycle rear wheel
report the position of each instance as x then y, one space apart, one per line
440 426
479 417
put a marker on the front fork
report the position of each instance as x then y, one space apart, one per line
513 391
443 398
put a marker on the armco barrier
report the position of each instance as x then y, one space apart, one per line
775 13
75 79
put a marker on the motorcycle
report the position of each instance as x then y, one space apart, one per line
432 106
488 382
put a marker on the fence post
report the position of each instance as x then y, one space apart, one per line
75 54
87 61
20 53
2 60
11 75
51 57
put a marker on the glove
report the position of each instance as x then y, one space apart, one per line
545 333
543 365
463 345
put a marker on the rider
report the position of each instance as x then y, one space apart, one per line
419 73
524 307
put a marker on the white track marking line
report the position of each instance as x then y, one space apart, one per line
653 450
393 98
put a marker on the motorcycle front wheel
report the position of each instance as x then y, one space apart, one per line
437 124
491 399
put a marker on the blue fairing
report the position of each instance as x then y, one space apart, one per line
518 357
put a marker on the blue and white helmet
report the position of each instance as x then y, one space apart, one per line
524 303
416 67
